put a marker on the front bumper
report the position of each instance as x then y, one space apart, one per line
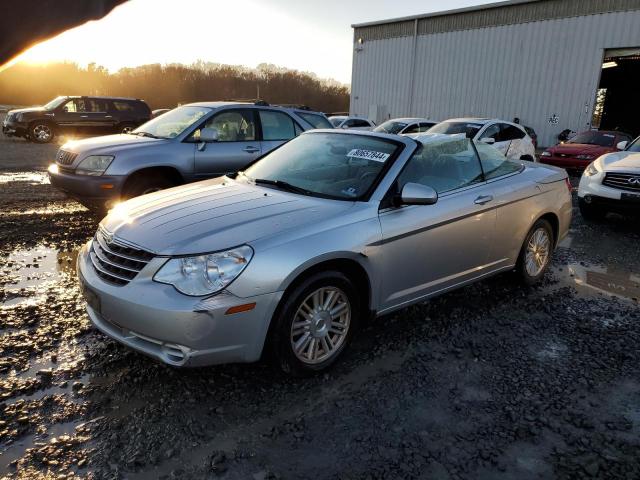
15 129
570 163
89 189
157 320
591 190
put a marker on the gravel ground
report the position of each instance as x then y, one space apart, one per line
495 381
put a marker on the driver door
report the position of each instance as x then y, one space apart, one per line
237 146
429 248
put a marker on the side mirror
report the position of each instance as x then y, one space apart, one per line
208 135
65 109
417 194
488 140
622 145
345 127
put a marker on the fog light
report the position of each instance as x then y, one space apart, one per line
587 198
53 168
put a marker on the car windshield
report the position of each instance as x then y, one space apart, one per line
635 146
318 121
470 129
335 121
54 103
594 138
172 123
390 126
329 165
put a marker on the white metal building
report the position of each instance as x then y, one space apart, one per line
538 60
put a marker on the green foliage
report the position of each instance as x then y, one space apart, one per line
165 86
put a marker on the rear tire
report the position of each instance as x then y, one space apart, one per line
315 323
41 132
591 212
126 128
535 254
143 185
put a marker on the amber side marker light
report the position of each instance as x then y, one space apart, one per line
107 186
240 308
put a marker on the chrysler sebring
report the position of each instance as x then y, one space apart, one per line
292 254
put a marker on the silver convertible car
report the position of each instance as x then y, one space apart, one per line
332 228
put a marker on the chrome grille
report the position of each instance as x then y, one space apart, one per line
623 181
65 158
115 262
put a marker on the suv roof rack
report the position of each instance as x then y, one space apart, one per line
297 106
256 101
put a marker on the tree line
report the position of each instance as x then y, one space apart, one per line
166 86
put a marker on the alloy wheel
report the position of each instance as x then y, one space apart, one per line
320 325
42 132
537 253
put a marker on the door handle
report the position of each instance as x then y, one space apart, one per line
251 149
84 116
482 199
108 116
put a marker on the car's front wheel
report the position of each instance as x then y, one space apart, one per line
535 255
149 183
41 132
126 127
315 323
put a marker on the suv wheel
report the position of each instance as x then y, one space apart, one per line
315 323
143 185
126 128
535 255
41 132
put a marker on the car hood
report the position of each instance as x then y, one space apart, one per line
620 161
214 215
110 143
580 149
26 110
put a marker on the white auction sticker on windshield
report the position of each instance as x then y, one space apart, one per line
368 155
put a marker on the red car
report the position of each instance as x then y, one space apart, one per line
584 148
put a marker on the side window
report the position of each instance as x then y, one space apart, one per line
509 132
122 106
70 107
413 128
360 123
425 126
443 166
276 125
96 105
492 131
494 163
232 126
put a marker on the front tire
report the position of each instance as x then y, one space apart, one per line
126 128
591 212
535 255
315 323
41 132
143 185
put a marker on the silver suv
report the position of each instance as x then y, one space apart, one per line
188 143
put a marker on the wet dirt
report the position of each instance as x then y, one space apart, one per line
494 381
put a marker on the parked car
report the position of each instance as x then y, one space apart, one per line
352 123
158 112
293 253
189 143
584 148
97 115
402 126
509 138
612 183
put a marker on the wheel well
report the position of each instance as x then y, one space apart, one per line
555 224
166 172
527 158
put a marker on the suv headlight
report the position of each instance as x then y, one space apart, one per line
591 170
205 274
94 165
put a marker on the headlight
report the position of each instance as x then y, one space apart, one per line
94 165
545 154
584 157
205 274
591 170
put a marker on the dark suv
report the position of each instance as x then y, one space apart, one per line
76 114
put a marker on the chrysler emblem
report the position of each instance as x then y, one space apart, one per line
634 181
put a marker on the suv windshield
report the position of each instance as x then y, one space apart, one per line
335 121
318 121
390 126
172 123
635 146
470 129
54 103
594 138
329 165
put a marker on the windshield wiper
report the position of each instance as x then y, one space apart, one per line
144 134
283 185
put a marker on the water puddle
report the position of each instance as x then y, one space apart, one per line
27 274
590 280
30 178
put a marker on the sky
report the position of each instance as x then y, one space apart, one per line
306 35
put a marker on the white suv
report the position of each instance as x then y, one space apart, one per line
612 183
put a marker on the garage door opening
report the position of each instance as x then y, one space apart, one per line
617 100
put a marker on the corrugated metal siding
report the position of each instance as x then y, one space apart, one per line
496 16
532 71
